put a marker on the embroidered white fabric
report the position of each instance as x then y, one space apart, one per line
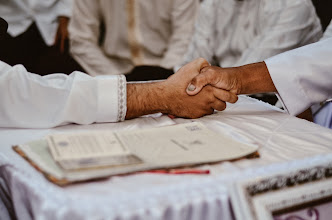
283 140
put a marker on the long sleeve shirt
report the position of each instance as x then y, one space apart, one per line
32 101
303 76
232 33
137 32
20 14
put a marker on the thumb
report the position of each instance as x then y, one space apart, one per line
196 84
204 78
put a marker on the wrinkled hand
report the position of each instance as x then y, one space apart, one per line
62 34
222 78
179 103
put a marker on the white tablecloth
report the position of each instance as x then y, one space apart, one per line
26 194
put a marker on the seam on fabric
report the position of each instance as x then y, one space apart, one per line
122 102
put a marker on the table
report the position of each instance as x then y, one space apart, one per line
26 194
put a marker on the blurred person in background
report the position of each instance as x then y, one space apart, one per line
237 32
37 35
322 112
147 34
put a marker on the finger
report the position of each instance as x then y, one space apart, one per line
171 116
199 81
219 105
200 63
225 95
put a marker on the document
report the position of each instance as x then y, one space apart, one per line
88 150
68 157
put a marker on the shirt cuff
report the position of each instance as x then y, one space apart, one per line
64 8
112 98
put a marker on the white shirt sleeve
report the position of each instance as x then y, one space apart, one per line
303 76
84 36
183 19
63 8
202 43
32 101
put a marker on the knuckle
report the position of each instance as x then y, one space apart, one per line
201 60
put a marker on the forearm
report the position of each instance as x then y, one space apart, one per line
170 97
143 99
254 78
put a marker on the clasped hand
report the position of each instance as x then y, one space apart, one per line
208 88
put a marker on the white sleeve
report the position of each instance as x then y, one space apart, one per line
32 101
303 76
84 36
202 42
63 8
183 19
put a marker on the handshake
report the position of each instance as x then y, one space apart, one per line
195 90
199 89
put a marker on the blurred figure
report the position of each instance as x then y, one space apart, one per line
237 32
146 33
37 35
323 9
233 32
322 112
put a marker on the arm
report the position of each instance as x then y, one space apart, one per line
63 13
169 96
32 101
183 16
202 42
62 35
84 30
234 80
301 77
284 25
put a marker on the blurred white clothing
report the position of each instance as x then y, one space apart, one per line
233 33
137 32
303 76
20 14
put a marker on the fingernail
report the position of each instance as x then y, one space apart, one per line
191 87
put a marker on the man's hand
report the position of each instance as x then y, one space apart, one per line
222 78
170 96
203 103
248 79
62 34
